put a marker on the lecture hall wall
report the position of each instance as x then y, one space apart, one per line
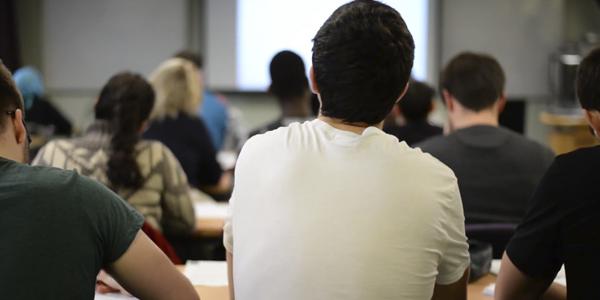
518 32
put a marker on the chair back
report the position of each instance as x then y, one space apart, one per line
496 234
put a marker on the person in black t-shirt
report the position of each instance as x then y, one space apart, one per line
414 108
289 85
563 218
42 117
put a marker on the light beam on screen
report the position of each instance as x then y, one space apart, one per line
265 27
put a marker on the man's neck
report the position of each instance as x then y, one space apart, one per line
357 128
297 107
468 119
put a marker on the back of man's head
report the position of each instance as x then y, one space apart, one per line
190 56
417 102
475 80
362 59
10 98
288 76
588 81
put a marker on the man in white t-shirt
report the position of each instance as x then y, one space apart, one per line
335 208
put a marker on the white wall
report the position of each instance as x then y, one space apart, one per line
86 42
521 34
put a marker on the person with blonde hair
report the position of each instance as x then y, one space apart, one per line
175 122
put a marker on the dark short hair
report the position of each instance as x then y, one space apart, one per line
189 55
10 98
588 81
288 75
475 80
416 103
362 59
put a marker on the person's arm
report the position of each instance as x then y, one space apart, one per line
514 284
178 210
453 291
56 118
533 257
223 187
230 275
145 272
228 243
212 179
453 269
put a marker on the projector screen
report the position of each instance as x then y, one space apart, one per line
244 35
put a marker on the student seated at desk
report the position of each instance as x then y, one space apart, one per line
175 122
335 208
58 228
42 117
413 110
146 174
497 169
563 220
290 86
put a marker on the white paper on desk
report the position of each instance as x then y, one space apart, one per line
211 210
113 297
206 273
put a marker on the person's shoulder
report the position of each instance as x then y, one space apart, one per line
579 158
427 162
58 181
154 150
439 142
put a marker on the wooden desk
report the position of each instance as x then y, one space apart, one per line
210 292
475 290
570 132
212 228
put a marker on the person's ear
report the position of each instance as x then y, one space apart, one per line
396 111
20 132
501 103
448 100
593 118
432 108
313 83
403 92
143 126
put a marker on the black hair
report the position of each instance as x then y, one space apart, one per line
288 75
126 101
10 98
362 59
191 56
475 80
416 103
588 81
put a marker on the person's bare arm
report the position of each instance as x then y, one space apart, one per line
221 188
147 273
454 291
230 275
514 284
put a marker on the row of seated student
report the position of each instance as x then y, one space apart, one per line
384 220
497 169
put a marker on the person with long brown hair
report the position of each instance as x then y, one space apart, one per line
146 174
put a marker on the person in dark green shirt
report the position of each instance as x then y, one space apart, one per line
59 229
